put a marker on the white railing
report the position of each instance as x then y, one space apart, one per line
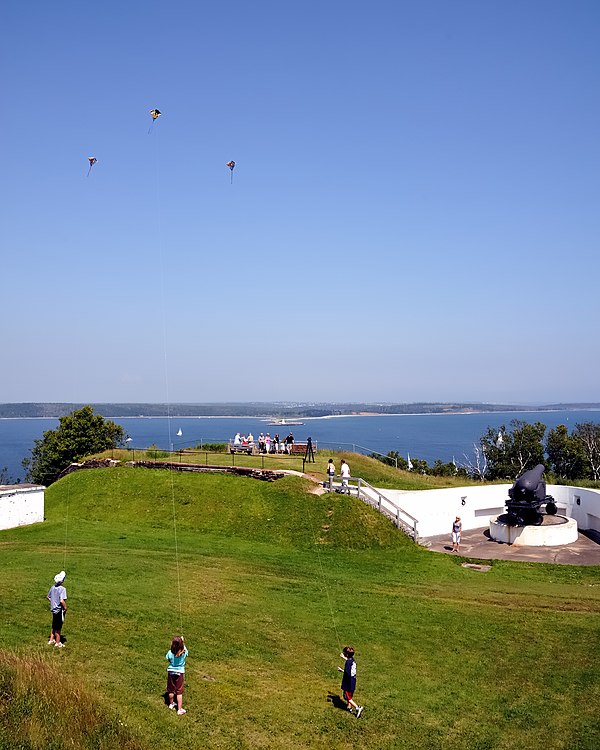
376 499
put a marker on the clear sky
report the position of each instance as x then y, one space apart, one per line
414 213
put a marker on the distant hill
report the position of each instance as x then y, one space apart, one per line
270 409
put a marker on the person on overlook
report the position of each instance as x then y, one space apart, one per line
237 439
330 473
345 474
289 441
57 596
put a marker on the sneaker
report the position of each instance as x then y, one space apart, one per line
181 711
171 706
59 645
359 711
51 642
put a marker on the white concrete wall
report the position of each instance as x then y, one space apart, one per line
21 504
436 509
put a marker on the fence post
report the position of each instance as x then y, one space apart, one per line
206 457
262 460
233 459
379 503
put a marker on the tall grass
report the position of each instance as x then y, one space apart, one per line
41 708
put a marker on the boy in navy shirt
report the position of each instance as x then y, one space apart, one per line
349 680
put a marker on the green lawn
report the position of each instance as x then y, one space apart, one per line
273 581
373 471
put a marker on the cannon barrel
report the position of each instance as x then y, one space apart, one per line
527 495
529 488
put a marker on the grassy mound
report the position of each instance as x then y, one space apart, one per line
373 471
268 583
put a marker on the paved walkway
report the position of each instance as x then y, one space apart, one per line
479 545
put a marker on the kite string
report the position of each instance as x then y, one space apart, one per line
166 370
66 523
323 579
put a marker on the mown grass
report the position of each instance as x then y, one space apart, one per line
273 581
372 470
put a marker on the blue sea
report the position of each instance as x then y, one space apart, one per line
428 436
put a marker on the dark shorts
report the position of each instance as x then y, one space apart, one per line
57 621
175 683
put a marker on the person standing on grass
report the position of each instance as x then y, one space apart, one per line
330 473
57 596
456 530
349 680
176 673
290 443
345 474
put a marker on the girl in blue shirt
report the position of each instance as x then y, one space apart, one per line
175 673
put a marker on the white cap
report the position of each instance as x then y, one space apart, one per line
60 577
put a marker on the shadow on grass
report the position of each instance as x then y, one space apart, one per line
337 701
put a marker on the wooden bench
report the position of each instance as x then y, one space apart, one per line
247 448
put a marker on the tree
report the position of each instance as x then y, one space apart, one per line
566 454
5 477
510 453
587 434
79 434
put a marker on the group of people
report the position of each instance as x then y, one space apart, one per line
344 474
177 654
266 443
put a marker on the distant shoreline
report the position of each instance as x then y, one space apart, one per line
467 412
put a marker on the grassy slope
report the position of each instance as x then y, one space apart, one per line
373 471
273 581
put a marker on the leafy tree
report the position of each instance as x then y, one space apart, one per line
516 451
79 434
449 469
392 458
419 466
566 454
587 434
5 477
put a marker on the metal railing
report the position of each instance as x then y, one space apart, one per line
271 461
376 499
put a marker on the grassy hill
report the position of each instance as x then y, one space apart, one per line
373 471
271 581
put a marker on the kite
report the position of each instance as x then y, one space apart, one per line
92 160
156 113
231 165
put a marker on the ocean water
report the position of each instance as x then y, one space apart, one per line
428 436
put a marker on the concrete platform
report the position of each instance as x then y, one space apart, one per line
479 545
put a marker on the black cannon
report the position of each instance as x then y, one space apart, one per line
527 495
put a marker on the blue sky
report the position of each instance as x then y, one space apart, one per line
413 215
